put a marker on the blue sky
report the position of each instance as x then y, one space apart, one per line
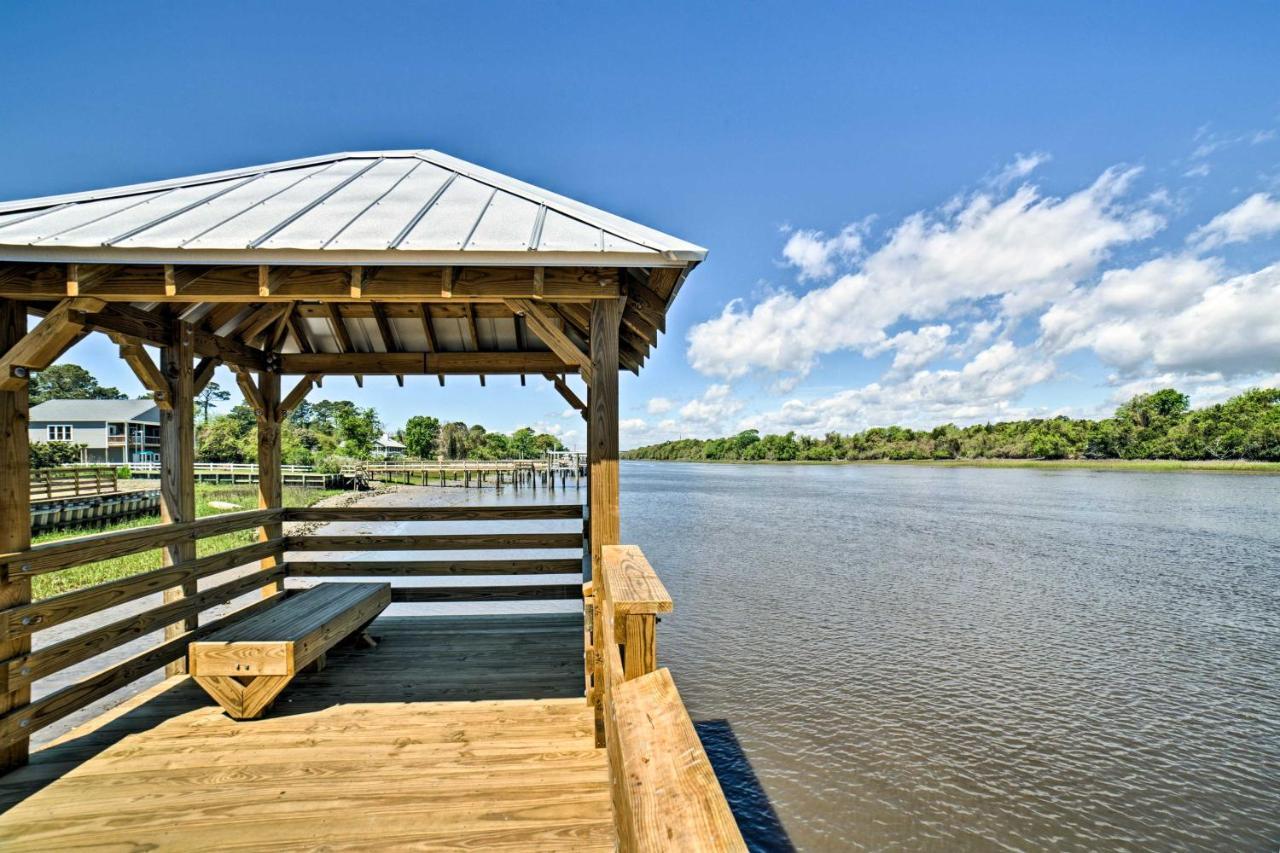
915 213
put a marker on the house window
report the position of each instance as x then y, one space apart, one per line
59 432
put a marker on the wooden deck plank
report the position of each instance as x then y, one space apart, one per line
370 753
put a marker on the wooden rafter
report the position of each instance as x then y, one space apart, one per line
83 277
259 321
299 332
340 334
270 279
178 279
40 347
281 330
429 329
149 327
551 334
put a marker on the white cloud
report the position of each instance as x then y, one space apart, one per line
633 424
1022 165
980 390
1173 313
914 350
1023 250
569 413
713 408
1256 216
659 406
816 256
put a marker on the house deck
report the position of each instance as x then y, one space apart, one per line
454 732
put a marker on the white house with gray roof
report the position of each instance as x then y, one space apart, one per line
113 431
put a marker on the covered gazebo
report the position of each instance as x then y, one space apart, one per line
399 263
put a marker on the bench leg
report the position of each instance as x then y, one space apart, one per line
318 664
247 699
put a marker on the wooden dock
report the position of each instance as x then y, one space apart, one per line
458 732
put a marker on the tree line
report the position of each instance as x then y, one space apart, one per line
327 434
1160 425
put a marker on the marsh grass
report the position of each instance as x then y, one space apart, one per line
244 496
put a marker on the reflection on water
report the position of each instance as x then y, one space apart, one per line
949 658
930 658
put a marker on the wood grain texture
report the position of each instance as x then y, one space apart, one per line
79 550
546 512
441 542
430 742
177 456
429 568
665 793
15 517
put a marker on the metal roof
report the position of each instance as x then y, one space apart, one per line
91 410
377 207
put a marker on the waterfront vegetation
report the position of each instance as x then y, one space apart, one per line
243 496
1151 431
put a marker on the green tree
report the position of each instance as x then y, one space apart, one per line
212 393
359 429
453 440
522 444
69 382
51 454
420 436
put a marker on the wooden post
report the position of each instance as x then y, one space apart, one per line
15 514
177 461
602 449
270 483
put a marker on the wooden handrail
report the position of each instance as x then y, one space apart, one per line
548 512
67 553
456 542
664 790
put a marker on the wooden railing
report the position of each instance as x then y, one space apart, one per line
18 623
428 542
665 793
50 483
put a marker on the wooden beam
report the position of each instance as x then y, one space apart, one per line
567 393
416 363
151 328
429 330
552 335
249 389
259 321
339 326
357 282
472 328
177 457
539 282
270 279
83 277
270 483
281 331
40 347
204 373
15 516
145 369
602 462
384 327
178 279
149 283
298 394
299 332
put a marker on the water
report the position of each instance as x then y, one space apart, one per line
949 658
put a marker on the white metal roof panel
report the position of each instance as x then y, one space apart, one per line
334 209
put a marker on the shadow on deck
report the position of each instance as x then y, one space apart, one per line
455 731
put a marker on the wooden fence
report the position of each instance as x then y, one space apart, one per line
51 483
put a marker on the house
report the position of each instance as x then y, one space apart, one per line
387 447
113 431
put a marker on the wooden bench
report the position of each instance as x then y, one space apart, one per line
245 665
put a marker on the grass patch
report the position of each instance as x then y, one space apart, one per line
243 495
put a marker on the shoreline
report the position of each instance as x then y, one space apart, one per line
1232 466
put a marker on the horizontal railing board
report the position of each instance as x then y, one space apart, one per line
663 784
428 568
548 512
424 595
22 722
67 553
39 615
457 542
59 656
